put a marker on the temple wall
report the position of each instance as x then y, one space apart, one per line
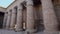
2 9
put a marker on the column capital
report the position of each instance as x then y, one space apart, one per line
6 12
13 11
29 3
9 13
20 7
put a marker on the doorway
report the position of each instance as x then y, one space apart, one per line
1 19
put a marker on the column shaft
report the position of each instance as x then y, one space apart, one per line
30 16
5 20
19 25
13 19
49 17
8 20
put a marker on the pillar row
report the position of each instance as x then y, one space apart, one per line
49 17
30 16
8 20
19 24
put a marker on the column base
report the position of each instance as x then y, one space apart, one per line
4 27
17 30
31 31
28 32
51 32
7 27
59 32
11 28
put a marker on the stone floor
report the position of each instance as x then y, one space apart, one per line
3 31
9 32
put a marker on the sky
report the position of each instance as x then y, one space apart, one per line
5 3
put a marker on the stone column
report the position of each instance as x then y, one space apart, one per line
49 17
13 19
19 24
30 16
8 20
5 19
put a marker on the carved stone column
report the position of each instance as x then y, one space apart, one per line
49 17
8 20
19 24
5 19
13 19
30 16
